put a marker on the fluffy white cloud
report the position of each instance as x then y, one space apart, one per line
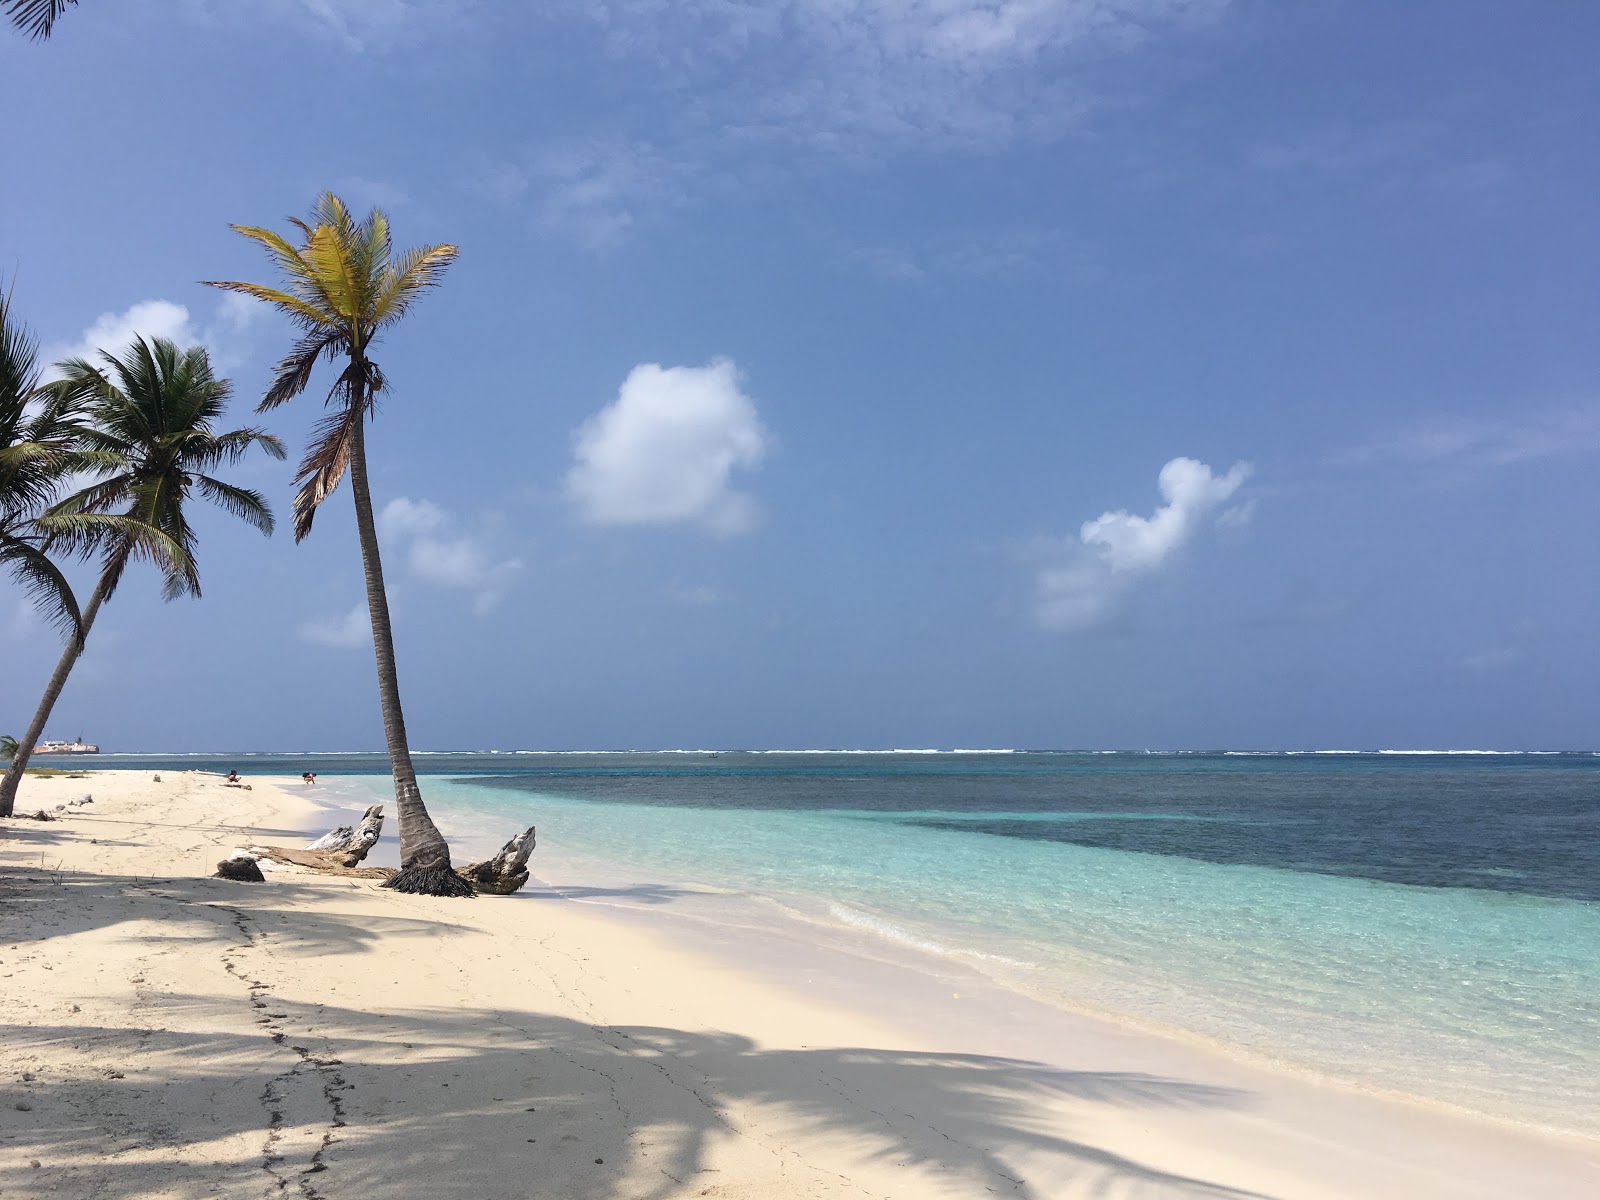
113 332
665 450
1087 583
345 632
440 556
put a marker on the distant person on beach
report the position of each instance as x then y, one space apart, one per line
233 776
308 777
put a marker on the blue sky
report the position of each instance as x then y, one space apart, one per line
865 373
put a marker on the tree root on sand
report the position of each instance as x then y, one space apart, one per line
432 879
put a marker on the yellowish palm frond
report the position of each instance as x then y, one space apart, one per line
328 254
415 272
294 306
302 273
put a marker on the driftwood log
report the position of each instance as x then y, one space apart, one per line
340 852
337 852
506 871
353 841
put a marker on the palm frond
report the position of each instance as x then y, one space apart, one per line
301 310
247 504
43 583
36 18
124 539
203 451
325 462
417 270
293 372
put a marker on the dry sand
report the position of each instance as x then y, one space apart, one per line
166 1034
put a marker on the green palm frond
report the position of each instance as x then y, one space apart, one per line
39 438
247 504
36 18
42 582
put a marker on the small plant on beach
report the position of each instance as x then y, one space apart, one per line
38 441
150 438
36 18
343 286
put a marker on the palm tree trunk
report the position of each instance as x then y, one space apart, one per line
52 692
424 855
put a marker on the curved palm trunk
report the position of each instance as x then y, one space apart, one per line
52 692
424 856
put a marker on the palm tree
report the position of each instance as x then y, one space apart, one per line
151 438
343 287
36 18
36 451
8 747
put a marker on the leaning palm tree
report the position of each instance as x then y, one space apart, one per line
151 438
36 18
344 286
38 437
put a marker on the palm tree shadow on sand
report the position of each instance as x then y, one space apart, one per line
529 1104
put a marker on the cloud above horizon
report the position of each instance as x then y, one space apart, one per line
844 74
664 452
439 555
348 631
1477 441
113 332
1089 579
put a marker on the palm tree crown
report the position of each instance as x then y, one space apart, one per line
345 286
153 441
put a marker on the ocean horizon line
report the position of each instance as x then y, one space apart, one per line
835 750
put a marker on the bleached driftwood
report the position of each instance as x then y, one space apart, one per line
354 840
337 852
506 871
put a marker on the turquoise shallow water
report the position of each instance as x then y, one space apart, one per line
1423 925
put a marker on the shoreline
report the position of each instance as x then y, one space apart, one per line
704 1063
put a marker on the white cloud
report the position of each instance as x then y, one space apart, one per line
403 517
1493 660
346 632
1473 441
1089 579
595 192
357 25
25 622
113 332
663 453
984 256
842 74
695 596
440 556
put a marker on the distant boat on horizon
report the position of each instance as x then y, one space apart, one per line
78 747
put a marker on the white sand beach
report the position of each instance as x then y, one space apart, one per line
167 1034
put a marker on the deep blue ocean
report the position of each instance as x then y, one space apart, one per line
1426 924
